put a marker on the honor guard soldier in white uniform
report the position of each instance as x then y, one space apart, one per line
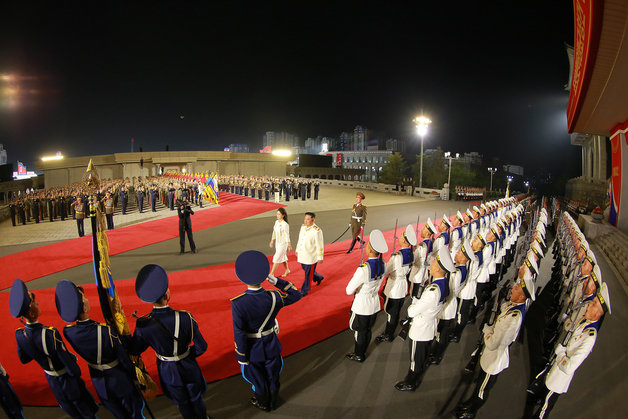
497 340
418 271
365 286
457 234
112 372
424 313
571 356
447 315
176 339
466 297
44 345
310 251
443 238
255 327
482 279
396 288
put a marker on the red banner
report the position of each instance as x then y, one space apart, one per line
339 160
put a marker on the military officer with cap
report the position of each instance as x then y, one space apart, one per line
111 370
44 345
176 339
396 288
364 286
443 238
358 219
109 210
79 209
497 340
421 253
457 234
424 313
255 326
571 356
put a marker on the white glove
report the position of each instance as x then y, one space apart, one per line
560 349
487 330
272 279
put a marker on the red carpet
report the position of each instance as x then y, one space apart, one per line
48 259
205 293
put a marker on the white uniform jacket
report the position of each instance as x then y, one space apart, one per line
366 290
457 234
418 271
450 306
569 359
495 356
397 282
424 313
281 232
483 273
467 292
310 247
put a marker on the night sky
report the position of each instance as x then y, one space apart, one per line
491 78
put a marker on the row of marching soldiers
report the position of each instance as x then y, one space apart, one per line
570 311
450 272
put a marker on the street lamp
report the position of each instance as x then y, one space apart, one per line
527 183
509 179
492 170
421 123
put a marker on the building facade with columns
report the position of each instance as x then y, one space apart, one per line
597 107
153 163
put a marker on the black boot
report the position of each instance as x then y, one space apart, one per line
352 244
274 399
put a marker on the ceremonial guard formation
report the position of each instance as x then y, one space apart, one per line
255 327
42 344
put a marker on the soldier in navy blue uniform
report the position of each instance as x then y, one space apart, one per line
109 366
185 225
171 191
8 399
177 341
44 345
153 197
255 327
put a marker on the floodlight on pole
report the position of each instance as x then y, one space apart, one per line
422 124
492 170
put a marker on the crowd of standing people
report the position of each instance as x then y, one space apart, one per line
265 187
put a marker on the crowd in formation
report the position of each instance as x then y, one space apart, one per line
453 272
265 187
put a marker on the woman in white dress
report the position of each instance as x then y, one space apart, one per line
281 240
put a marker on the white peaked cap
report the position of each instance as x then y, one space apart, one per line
468 250
378 242
430 225
460 217
605 298
444 259
410 235
529 287
530 262
446 220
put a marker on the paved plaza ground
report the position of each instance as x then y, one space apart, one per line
318 382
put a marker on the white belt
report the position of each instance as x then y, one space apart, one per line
102 367
174 358
55 373
356 218
260 335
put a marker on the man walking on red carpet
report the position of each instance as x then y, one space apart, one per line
310 249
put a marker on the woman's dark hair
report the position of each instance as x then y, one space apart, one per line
283 212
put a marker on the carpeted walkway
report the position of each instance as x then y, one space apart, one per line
48 259
206 293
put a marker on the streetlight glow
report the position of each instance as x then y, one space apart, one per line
421 123
282 153
492 170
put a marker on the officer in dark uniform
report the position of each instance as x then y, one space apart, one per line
97 343
185 225
109 211
8 399
50 200
140 198
153 197
36 209
44 345
317 186
20 211
12 209
61 206
124 196
358 219
177 341
255 327
171 191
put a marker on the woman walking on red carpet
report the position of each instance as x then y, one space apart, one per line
281 240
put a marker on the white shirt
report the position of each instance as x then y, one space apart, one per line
281 232
310 247
366 299
419 269
397 284
495 357
424 313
